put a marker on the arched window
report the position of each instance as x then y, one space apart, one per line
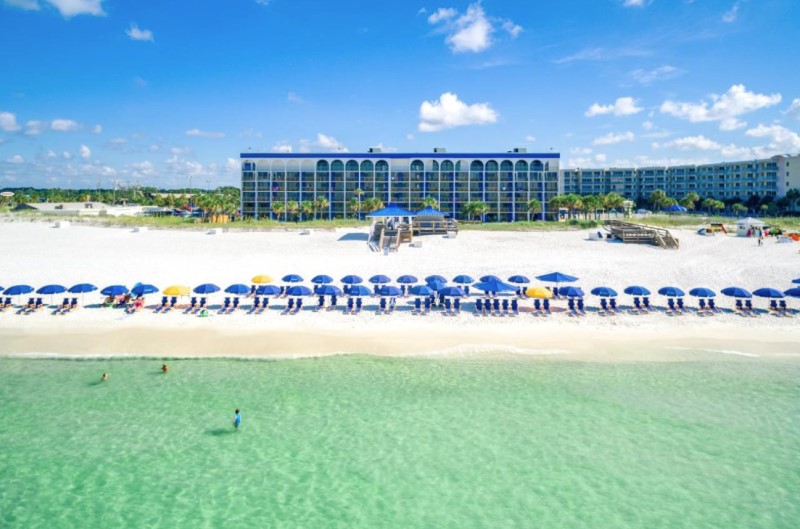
352 166
536 166
337 166
322 166
476 166
491 166
506 166
521 166
435 166
447 166
417 166
382 166
366 166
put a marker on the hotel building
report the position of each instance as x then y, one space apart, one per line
505 181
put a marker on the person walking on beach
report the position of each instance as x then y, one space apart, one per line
237 419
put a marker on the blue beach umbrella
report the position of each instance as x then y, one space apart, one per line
604 292
298 290
636 290
671 292
114 290
237 289
379 279
421 290
520 280
792 292
452 291
796 281
702 292
407 280
494 286
557 277
206 288
142 289
435 285
18 290
490 277
463 279
388 290
768 293
82 288
292 278
267 290
736 292
329 290
570 292
435 278
352 280
51 289
321 280
1 289
359 290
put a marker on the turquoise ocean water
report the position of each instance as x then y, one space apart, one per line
388 442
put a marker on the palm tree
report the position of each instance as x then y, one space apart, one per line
708 204
358 192
430 202
320 204
739 209
371 205
534 207
354 206
657 199
793 196
690 200
292 208
307 209
278 208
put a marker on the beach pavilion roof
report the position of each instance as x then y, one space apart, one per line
392 210
431 212
749 221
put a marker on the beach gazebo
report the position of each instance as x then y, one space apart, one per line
749 226
431 221
390 227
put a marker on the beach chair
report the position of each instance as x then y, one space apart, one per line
417 306
604 307
320 304
289 307
392 305
496 307
381 307
252 292
264 304
701 307
7 304
537 307
773 306
671 309
298 306
612 304
637 306
505 307
403 291
256 305
514 307
30 304
739 308
348 308
783 308
359 303
38 304
466 290
646 304
334 301
375 290
748 308
192 306
712 307
427 306
161 306
64 307
478 307
681 307
546 307
571 306
581 308
456 307
234 305
447 308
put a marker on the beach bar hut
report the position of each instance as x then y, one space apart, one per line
390 227
749 227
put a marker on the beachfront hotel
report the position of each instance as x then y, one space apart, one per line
769 177
505 181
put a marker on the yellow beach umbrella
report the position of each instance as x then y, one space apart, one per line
539 292
176 290
261 279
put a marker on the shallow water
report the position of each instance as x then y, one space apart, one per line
389 442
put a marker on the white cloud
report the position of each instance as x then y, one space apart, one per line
66 155
731 14
443 13
783 139
448 112
118 142
180 151
623 106
97 129
512 29
16 159
8 122
691 143
385 148
138 81
139 34
732 124
204 134
71 8
27 5
661 73
232 165
604 54
633 3
64 125
612 138
794 109
580 151
410 137
34 127
282 146
51 155
85 152
530 139
648 125
292 97
143 169
599 157
329 142
734 102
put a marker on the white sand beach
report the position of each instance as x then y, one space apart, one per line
36 253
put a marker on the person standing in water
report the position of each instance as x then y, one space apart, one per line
164 368
237 419
104 378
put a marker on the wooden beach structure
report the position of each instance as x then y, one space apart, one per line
629 232
431 221
391 227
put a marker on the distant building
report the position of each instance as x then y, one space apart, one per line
81 209
505 181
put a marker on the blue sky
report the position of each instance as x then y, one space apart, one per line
97 91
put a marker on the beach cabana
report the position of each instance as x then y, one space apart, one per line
390 227
747 227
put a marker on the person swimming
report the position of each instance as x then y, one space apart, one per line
104 377
237 419
164 368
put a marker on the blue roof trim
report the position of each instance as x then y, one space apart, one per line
399 156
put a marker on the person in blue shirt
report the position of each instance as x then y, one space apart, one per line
237 419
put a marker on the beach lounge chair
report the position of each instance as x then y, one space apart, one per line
161 306
701 307
297 306
537 307
514 307
546 307
671 309
496 307
448 308
264 304
612 304
30 304
681 307
581 308
202 305
7 304
712 307
478 307
456 307
417 306
604 309
256 305
192 305
466 290
289 307
403 291
392 305
646 303
748 308
427 306
359 303
505 307
64 307
381 307
571 306
739 307
783 308
234 305
637 306
252 292
38 304
348 308
320 304
334 301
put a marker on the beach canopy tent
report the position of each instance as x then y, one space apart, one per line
237 289
388 290
292 278
435 278
51 289
570 292
675 208
556 277
261 279
421 290
359 290
702 292
746 226
736 292
435 285
82 288
463 279
114 290
520 280
671 292
494 286
328 290
321 279
604 292
452 291
636 290
142 289
379 279
267 290
768 293
352 280
177 290
206 288
407 280
298 290
539 293
792 292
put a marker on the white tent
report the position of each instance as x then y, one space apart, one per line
748 226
